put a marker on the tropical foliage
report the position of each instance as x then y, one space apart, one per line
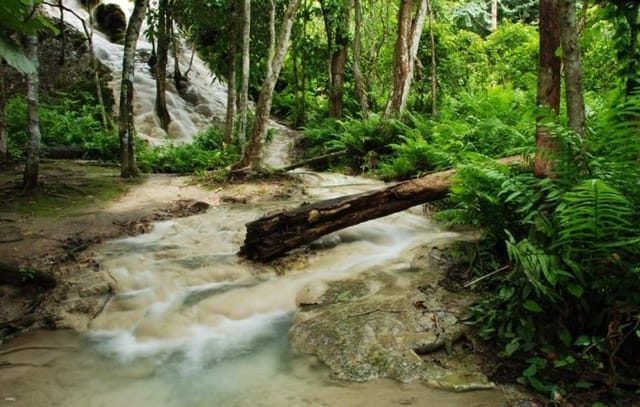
568 303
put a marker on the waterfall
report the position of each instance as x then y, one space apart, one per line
194 110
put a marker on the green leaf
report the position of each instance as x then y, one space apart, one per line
532 306
512 347
565 336
575 289
567 361
582 340
15 58
582 384
530 371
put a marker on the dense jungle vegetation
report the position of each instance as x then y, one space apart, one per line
558 261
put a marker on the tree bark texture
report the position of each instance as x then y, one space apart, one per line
631 16
126 130
32 164
494 16
360 87
434 68
4 148
243 100
253 155
161 67
274 235
406 50
107 123
337 28
548 92
231 74
572 65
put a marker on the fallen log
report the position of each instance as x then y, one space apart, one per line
273 235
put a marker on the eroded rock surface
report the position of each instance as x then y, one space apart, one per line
399 324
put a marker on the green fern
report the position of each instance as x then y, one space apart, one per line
594 219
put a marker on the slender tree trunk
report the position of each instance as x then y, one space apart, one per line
360 88
175 44
582 22
631 15
88 32
297 122
106 121
32 165
494 15
434 69
126 130
161 67
406 50
4 149
337 27
572 65
63 37
329 31
252 156
246 69
548 92
193 54
231 74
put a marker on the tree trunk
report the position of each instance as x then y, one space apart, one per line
63 36
231 74
175 45
434 76
246 69
32 165
4 149
494 15
360 88
106 120
126 130
631 15
548 93
406 50
337 28
274 235
253 156
572 66
161 67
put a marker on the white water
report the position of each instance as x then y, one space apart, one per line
187 118
194 325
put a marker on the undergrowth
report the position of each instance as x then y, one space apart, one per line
568 303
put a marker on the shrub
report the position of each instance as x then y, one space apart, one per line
63 122
207 151
569 305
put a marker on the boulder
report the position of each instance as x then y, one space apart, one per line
370 327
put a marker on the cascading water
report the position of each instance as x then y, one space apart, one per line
191 324
203 102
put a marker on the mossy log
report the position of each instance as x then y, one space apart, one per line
274 235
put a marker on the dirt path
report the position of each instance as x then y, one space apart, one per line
60 242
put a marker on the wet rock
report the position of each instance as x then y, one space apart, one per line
111 21
100 288
372 327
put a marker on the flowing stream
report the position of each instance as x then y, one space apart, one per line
194 325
